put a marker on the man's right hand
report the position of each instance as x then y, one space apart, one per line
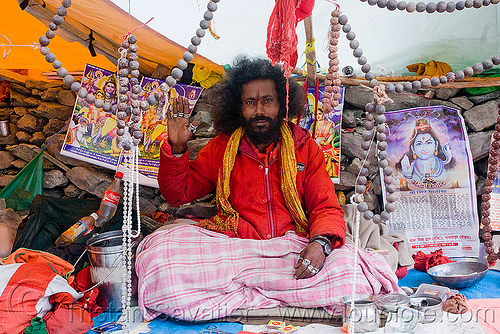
177 125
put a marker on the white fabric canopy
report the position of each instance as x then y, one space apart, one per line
390 40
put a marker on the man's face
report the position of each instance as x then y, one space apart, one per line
260 108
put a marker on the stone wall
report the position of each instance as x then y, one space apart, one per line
38 110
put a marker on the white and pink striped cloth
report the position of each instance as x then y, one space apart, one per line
193 274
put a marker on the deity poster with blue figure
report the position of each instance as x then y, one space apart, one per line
435 194
324 128
91 136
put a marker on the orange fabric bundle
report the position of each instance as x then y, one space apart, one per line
425 261
24 255
432 68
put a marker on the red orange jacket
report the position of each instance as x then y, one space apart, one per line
255 187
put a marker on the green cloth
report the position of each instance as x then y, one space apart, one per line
25 186
493 73
37 327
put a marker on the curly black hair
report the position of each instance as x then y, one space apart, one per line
225 97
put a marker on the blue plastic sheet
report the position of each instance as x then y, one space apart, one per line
488 287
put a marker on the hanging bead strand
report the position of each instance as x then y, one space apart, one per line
177 72
332 95
126 275
375 119
493 160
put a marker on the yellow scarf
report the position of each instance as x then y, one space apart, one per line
227 218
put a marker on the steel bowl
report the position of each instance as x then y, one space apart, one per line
458 275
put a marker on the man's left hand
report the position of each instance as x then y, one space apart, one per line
310 262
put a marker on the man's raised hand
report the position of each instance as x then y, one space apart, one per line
178 127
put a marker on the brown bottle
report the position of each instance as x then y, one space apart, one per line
78 230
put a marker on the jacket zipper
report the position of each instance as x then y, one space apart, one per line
266 172
268 191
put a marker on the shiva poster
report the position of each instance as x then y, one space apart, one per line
91 136
433 180
324 128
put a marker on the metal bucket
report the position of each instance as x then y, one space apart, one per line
365 314
106 260
4 128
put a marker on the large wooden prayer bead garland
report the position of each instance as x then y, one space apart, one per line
332 95
129 135
126 66
375 118
375 111
493 160
416 84
430 7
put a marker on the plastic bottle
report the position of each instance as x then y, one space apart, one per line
82 227
110 200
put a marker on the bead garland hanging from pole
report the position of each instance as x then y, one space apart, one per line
375 119
128 135
379 110
493 160
430 7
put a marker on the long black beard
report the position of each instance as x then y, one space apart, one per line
263 136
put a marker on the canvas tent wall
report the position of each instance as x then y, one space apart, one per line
390 40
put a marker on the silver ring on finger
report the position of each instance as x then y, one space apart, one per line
312 269
187 115
306 262
181 114
174 115
192 128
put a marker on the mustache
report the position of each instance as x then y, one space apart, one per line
260 118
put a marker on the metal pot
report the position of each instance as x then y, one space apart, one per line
365 313
429 306
391 301
400 317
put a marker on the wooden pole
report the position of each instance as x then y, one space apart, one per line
311 53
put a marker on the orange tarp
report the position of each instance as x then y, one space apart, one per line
108 24
21 28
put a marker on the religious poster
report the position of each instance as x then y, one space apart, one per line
436 208
91 136
324 128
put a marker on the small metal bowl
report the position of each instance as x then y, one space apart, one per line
458 275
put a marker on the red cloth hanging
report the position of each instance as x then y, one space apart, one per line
93 301
281 36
